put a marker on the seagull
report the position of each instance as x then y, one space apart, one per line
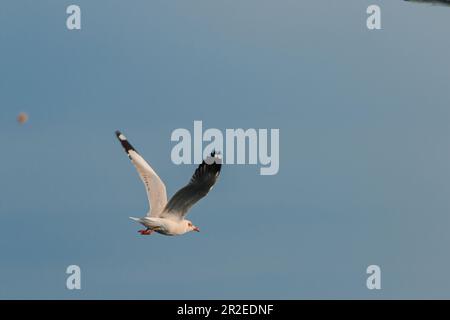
168 217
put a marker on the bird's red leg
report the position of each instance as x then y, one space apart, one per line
145 232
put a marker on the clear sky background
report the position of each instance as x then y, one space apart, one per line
364 157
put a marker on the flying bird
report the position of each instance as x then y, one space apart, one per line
168 217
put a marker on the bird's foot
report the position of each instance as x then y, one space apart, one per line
145 232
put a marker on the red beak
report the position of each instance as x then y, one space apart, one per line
196 229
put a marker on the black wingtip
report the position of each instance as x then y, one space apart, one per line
124 142
214 158
120 136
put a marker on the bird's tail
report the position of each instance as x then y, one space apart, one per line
136 219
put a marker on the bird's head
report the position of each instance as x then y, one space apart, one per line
190 226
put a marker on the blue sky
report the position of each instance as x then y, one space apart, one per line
364 151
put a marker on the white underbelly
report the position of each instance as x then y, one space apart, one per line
163 226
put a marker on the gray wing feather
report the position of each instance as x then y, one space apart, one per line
198 187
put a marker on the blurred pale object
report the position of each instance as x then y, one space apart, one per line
22 118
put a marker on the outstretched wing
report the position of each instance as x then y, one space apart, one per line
201 182
156 190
